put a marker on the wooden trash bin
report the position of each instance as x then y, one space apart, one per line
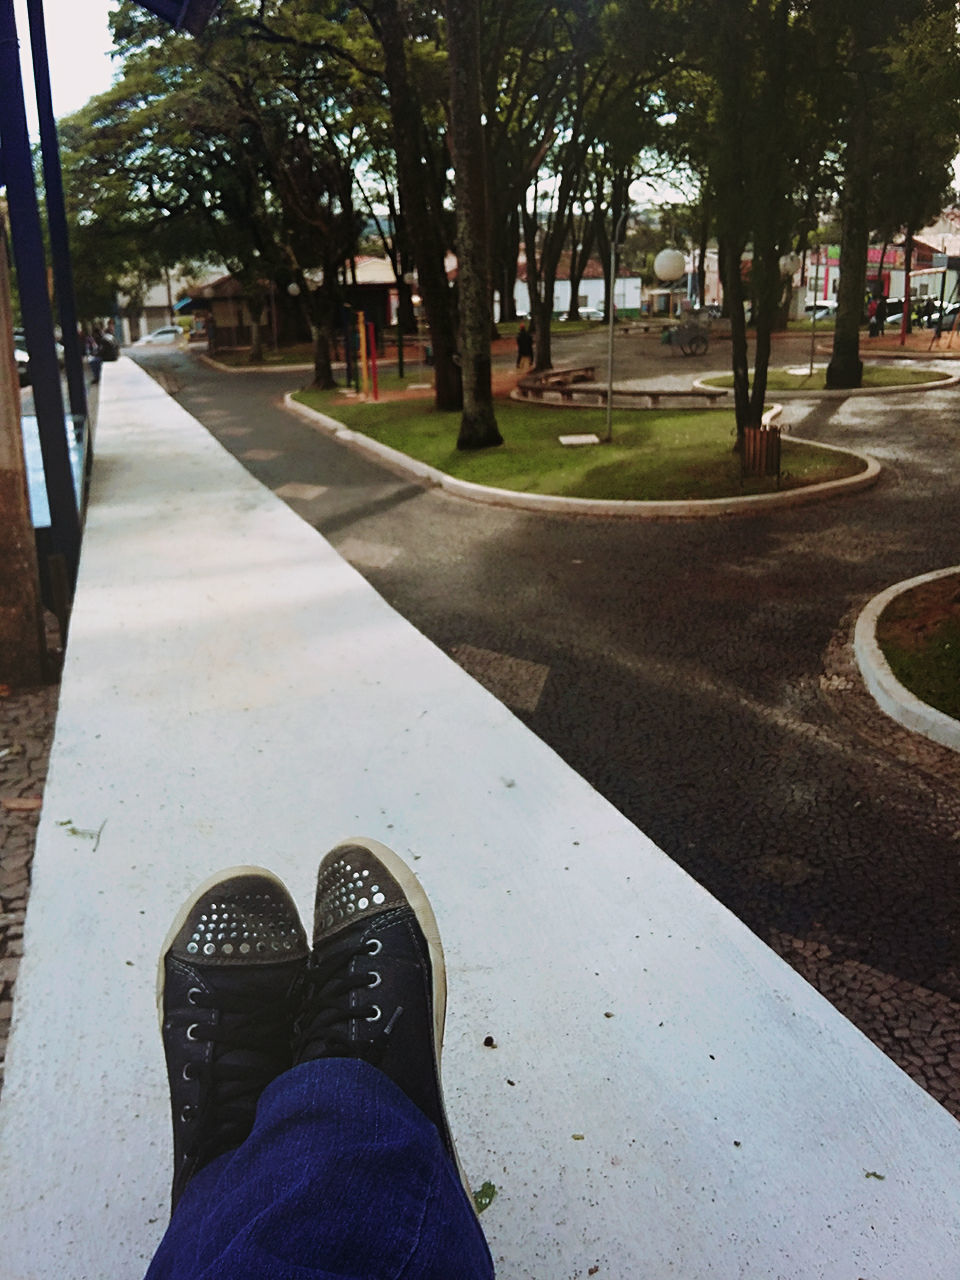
761 452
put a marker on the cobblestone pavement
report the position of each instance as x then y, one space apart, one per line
26 733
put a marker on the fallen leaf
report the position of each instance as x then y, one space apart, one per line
484 1196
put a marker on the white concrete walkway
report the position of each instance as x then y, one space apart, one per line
666 1097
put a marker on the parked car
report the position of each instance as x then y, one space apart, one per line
20 344
168 333
824 310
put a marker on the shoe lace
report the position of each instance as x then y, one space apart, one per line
251 1047
330 1019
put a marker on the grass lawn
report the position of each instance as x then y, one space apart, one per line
919 633
827 324
879 375
654 455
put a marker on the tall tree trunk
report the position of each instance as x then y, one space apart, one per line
478 424
703 236
767 285
319 307
256 339
730 255
846 368
508 268
581 248
257 294
541 304
422 217
906 323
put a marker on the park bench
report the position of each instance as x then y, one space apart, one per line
579 386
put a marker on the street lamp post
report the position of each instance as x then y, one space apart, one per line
618 230
813 314
669 265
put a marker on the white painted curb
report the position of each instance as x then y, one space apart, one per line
843 393
749 504
896 700
254 368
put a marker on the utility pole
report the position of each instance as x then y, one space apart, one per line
611 309
22 640
30 260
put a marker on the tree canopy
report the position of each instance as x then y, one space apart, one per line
500 131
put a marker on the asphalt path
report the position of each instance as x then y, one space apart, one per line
698 673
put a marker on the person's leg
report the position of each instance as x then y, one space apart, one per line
341 1177
351 1150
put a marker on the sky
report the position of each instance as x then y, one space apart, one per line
78 46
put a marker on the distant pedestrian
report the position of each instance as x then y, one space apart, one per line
96 353
524 346
881 313
872 313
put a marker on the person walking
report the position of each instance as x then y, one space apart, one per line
881 313
524 346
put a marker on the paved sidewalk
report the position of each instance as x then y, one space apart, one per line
665 1095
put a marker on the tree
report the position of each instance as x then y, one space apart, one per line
745 104
478 425
409 67
159 172
897 61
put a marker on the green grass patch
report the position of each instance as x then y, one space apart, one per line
874 375
826 325
654 455
919 634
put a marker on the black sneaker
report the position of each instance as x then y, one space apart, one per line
224 994
376 985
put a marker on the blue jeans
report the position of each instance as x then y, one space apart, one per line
341 1178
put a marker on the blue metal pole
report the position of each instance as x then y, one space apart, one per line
56 213
34 303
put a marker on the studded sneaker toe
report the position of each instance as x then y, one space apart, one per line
376 981
229 970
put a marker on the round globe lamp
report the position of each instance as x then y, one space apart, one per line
669 265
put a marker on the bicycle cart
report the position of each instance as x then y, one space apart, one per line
691 336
